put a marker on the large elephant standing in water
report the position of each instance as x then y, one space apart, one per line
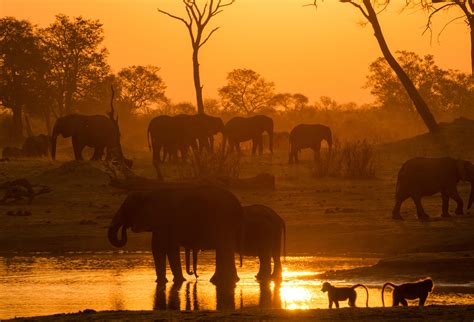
309 136
240 129
199 217
264 231
419 177
95 131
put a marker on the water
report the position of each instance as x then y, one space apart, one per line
43 285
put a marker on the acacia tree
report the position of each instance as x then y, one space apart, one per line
140 87
367 10
290 102
196 22
246 92
447 91
74 52
434 7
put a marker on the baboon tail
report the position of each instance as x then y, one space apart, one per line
383 289
366 292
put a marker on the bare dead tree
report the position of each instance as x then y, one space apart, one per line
434 7
196 22
367 10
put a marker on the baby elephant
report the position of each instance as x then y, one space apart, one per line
421 177
336 294
264 231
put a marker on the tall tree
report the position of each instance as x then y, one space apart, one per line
367 10
447 91
246 92
76 57
141 87
22 70
196 22
435 7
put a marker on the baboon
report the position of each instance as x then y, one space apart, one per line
336 294
410 291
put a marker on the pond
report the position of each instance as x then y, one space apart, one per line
43 285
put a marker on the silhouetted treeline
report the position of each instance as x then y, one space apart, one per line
49 72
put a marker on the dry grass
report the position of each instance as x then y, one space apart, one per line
206 164
352 160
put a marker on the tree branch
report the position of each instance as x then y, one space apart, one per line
208 36
366 15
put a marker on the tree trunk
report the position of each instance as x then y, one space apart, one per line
17 126
197 81
418 101
471 26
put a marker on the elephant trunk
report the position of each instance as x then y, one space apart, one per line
471 197
113 230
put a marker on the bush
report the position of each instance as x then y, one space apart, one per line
354 160
212 165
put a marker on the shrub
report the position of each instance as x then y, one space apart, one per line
354 160
216 164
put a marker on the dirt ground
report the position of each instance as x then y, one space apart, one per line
324 216
327 216
430 313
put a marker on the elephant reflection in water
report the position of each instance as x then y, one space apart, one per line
265 300
174 301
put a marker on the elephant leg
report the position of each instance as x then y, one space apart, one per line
259 141
98 153
277 274
226 272
159 256
156 161
265 267
445 205
454 194
317 152
77 147
174 260
254 146
419 209
396 209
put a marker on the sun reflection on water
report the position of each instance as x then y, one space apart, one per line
46 285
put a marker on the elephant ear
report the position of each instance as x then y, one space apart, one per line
461 167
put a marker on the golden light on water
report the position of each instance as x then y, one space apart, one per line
295 297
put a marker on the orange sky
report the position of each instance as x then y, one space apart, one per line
314 52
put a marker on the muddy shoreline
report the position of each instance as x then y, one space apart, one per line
431 313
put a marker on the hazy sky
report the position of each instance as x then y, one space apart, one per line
313 52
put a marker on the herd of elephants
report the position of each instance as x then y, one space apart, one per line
204 217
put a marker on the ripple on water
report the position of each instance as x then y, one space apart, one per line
42 285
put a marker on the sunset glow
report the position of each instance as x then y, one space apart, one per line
315 52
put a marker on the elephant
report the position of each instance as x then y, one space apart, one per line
240 129
179 133
309 136
419 177
264 231
96 131
195 216
37 146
